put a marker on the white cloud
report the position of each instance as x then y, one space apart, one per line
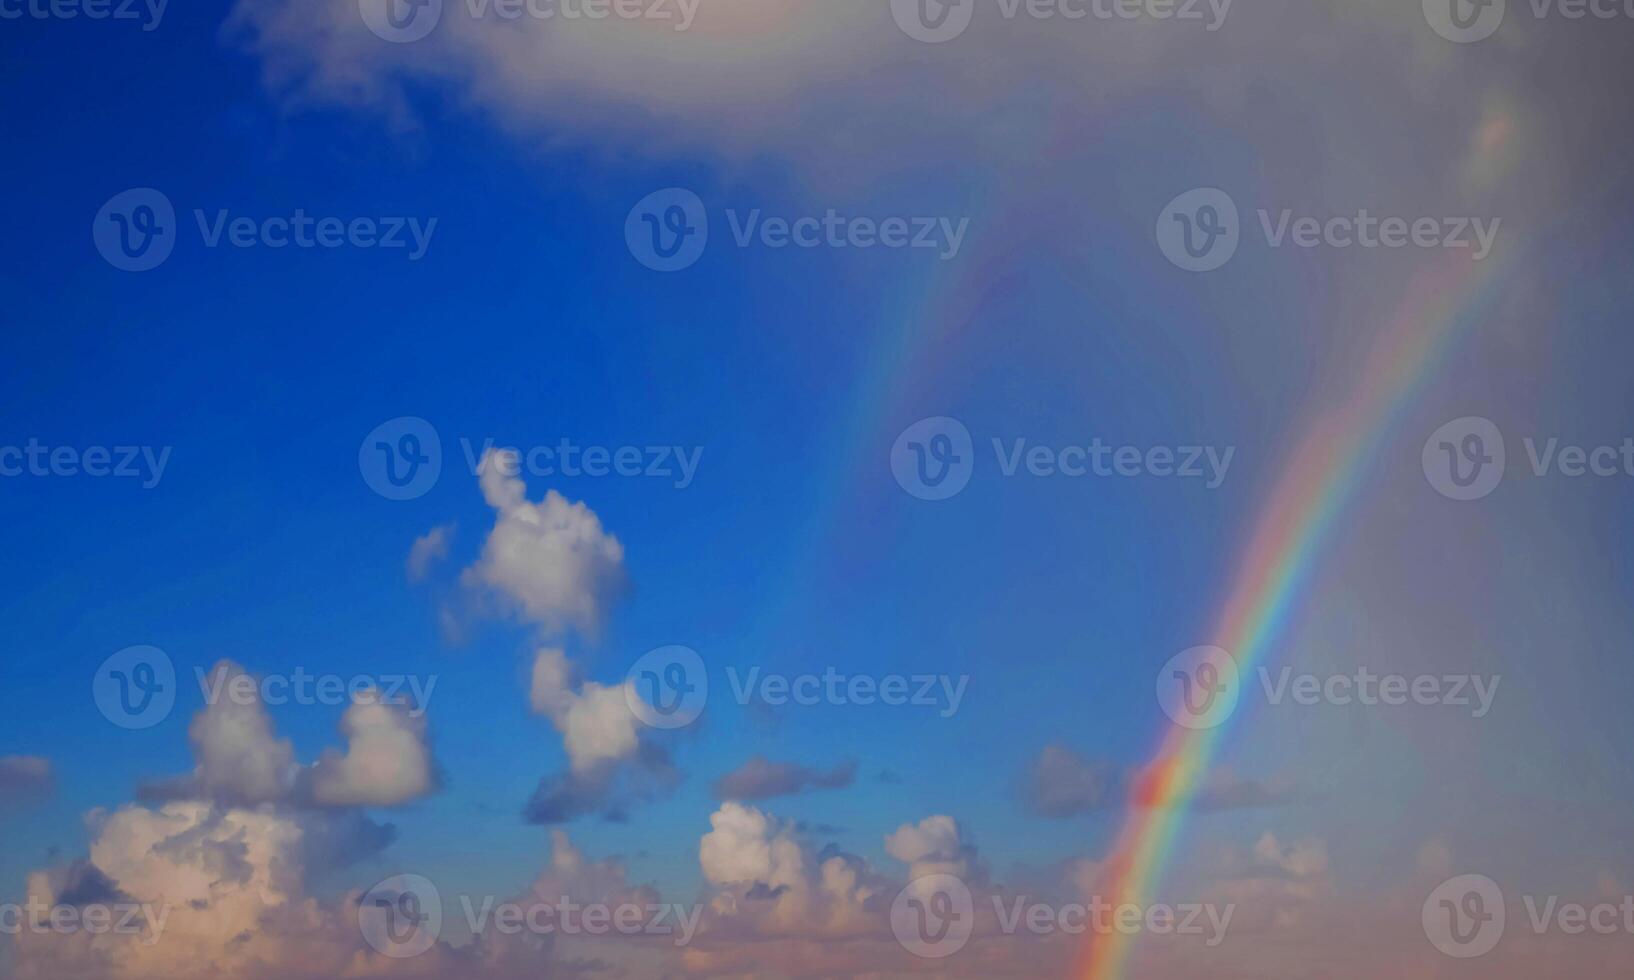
551 560
596 723
428 549
387 760
239 758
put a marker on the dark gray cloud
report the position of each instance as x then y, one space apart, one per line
762 779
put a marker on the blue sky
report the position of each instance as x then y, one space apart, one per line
528 321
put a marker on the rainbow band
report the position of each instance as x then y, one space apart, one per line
1322 477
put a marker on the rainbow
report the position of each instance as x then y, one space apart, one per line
1320 479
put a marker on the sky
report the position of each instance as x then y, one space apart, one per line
888 485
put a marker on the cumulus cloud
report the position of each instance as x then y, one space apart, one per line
240 761
935 845
551 561
221 892
595 720
427 550
387 760
24 777
610 768
760 779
